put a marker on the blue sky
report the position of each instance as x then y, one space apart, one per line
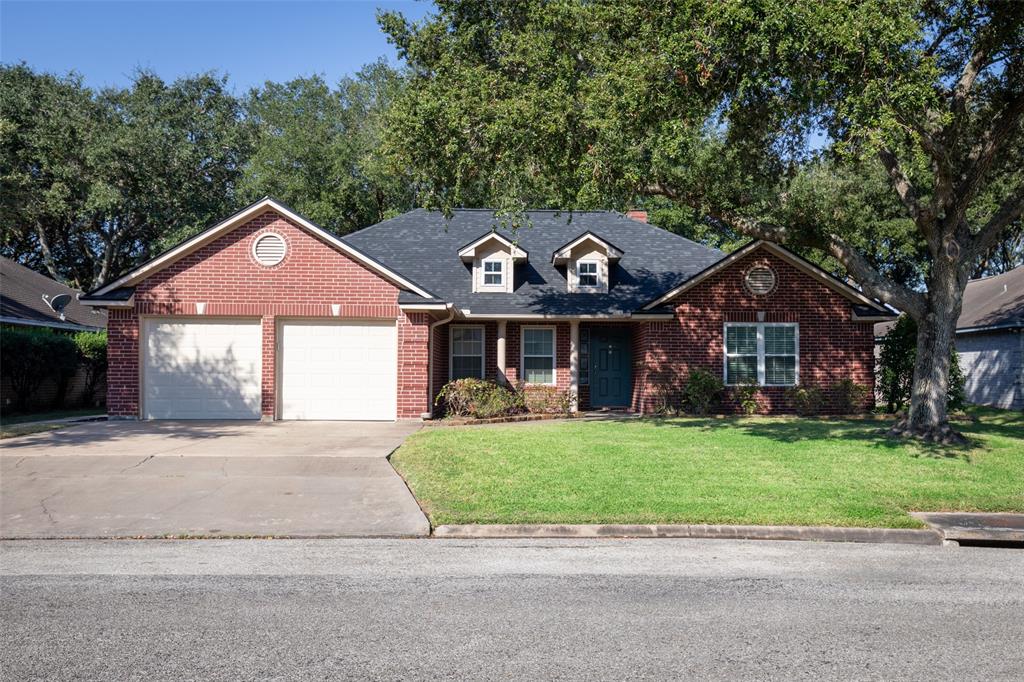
250 40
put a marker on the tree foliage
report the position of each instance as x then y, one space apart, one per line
316 149
94 182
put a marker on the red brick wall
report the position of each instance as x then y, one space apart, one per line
224 275
832 345
122 363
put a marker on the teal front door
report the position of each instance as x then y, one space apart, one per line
611 370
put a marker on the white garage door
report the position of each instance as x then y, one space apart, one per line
201 370
339 370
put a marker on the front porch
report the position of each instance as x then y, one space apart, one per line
593 359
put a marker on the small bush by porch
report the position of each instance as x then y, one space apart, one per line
758 470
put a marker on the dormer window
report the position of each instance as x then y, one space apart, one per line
494 273
492 258
588 260
586 273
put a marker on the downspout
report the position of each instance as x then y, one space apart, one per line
430 358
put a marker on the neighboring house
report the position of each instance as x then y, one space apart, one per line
28 299
267 315
990 340
25 298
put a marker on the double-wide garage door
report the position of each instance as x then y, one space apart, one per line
212 369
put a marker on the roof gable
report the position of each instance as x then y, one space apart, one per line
109 293
823 277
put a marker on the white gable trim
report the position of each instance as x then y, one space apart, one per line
814 271
240 218
468 252
562 254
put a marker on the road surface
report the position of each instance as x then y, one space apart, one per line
436 609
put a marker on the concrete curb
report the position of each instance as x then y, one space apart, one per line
904 536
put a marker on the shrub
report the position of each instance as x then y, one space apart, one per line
896 368
702 391
746 395
665 388
30 357
806 400
849 396
92 352
479 399
546 399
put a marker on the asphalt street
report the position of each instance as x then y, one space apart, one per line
451 609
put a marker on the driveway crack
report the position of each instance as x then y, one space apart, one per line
42 503
139 463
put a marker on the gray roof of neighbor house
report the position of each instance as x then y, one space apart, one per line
21 301
424 246
995 302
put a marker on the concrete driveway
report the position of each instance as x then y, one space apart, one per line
158 479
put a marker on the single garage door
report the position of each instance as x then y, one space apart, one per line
332 370
201 370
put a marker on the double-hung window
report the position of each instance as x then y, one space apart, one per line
766 353
494 273
466 353
538 355
586 273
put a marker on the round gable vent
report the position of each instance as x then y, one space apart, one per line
269 249
760 280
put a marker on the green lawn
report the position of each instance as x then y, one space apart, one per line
758 470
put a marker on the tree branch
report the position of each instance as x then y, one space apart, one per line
908 194
985 150
1010 210
872 282
962 90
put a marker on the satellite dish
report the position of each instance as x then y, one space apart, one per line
58 303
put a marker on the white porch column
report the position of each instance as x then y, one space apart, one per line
574 363
500 348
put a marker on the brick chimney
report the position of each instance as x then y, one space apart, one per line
637 214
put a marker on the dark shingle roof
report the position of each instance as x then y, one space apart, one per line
423 245
21 300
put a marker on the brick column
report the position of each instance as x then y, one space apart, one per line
268 382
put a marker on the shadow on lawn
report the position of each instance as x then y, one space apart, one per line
871 432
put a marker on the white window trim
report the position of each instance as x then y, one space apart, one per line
483 347
761 351
554 355
596 273
483 273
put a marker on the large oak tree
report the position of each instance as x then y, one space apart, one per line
760 115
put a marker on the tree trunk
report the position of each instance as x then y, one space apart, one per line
928 418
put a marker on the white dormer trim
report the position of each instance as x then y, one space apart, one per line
493 248
468 253
563 254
